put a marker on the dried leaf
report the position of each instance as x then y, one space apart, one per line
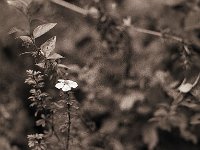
48 46
42 29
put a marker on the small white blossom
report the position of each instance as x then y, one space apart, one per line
66 85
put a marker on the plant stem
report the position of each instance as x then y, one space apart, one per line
68 127
71 6
156 33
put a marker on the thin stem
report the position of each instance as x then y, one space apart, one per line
25 53
156 33
68 127
71 6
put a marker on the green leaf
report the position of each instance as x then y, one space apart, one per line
55 56
42 29
21 5
48 46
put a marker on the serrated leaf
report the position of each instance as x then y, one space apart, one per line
21 5
185 88
42 29
26 39
55 56
48 46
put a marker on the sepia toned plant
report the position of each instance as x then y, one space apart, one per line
114 97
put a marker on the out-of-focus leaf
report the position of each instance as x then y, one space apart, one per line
41 65
73 68
48 46
55 56
42 29
185 88
150 136
21 5
109 126
196 91
192 104
128 101
62 66
14 30
187 135
41 122
195 119
161 112
4 112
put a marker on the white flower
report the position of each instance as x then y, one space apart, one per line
66 85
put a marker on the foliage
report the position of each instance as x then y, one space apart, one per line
131 89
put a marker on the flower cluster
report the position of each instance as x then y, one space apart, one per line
36 142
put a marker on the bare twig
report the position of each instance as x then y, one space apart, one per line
68 127
71 6
156 33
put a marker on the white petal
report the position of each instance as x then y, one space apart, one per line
72 84
61 80
59 85
66 88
